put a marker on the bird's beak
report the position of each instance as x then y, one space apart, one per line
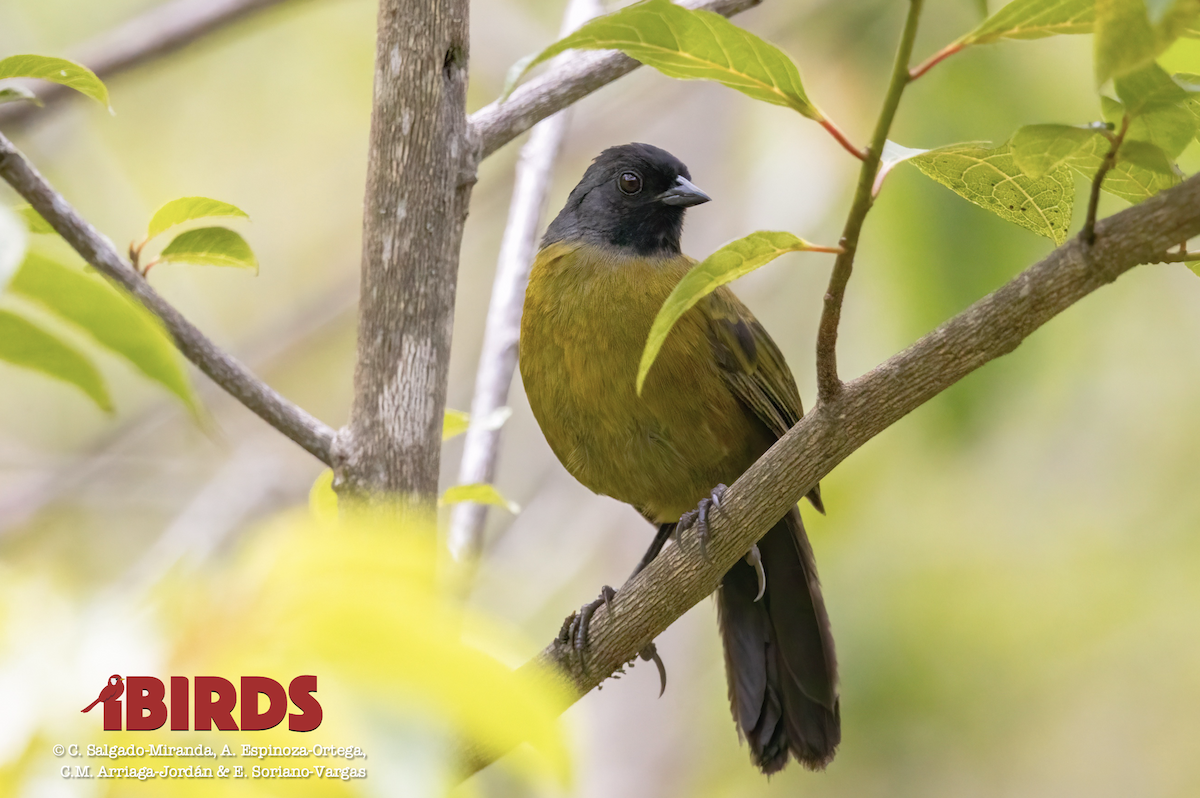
683 194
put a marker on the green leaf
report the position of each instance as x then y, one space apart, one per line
991 179
210 246
1192 81
1126 40
1129 179
111 318
1169 127
24 344
17 94
683 43
1035 19
1040 149
12 245
33 220
725 265
454 423
185 209
56 70
480 493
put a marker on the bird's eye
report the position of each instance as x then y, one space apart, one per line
629 183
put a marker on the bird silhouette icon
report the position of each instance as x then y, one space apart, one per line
114 689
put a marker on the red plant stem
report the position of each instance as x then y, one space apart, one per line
935 59
840 137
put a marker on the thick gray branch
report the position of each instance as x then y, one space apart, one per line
420 172
498 356
161 30
990 328
577 75
224 370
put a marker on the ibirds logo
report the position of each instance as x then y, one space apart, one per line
201 703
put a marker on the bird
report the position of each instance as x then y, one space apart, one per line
114 689
717 397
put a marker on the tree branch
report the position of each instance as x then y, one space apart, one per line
160 31
992 327
224 370
579 74
420 172
828 383
498 356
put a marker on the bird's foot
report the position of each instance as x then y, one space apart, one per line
755 559
574 631
699 517
575 628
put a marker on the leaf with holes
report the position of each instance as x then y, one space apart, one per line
56 70
728 263
687 44
210 246
24 344
110 317
1040 149
186 209
991 179
480 493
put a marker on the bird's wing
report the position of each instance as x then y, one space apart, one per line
753 367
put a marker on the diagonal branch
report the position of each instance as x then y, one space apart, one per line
160 31
577 75
311 434
989 329
498 357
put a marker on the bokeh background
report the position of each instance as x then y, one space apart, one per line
1012 572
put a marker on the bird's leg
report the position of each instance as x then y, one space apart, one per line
656 546
699 517
755 559
574 631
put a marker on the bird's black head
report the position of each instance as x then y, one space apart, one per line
632 197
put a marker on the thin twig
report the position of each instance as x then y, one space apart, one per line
295 423
935 59
1110 160
828 383
160 31
680 577
498 356
578 74
1180 257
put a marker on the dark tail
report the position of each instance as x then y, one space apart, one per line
779 658
88 708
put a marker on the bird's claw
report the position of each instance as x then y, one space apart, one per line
699 517
574 631
755 559
650 654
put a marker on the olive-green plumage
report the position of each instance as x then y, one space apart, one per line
717 397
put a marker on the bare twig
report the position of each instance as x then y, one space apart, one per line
828 383
935 59
577 75
1110 160
992 327
158 32
308 432
498 356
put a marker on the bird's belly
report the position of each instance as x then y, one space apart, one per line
662 451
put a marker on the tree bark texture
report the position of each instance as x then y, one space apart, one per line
419 178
